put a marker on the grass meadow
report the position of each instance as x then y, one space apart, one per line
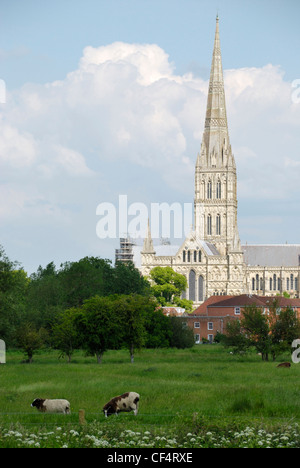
198 397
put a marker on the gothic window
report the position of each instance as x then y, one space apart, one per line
271 284
192 286
261 284
218 225
195 256
209 190
219 193
296 283
274 282
253 284
199 256
189 256
183 256
292 282
257 282
209 225
201 288
288 284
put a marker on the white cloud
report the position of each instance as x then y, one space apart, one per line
80 141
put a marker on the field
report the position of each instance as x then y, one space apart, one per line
199 397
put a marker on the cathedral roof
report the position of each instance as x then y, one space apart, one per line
277 255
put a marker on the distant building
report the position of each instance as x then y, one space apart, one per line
212 257
213 315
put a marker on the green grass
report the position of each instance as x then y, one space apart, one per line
181 390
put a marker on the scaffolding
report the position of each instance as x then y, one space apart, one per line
125 253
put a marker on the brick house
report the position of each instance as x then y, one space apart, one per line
212 316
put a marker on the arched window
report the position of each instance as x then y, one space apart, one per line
292 282
257 282
199 256
183 256
274 282
192 286
201 288
209 190
253 284
209 225
219 192
218 225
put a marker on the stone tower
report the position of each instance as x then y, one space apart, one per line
215 203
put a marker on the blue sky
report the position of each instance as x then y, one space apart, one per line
65 147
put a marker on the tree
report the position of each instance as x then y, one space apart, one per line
234 337
256 327
98 326
133 310
158 329
168 285
182 335
13 289
65 334
128 280
30 340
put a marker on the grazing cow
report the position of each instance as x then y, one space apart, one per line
127 402
284 364
51 406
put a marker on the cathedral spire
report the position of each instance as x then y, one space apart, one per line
215 215
215 137
148 243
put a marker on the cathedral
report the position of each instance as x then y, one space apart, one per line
212 257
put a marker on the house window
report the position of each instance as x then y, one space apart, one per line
237 310
197 338
210 338
196 324
210 326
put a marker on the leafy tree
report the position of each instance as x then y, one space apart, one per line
13 288
133 310
128 280
86 278
234 337
30 340
158 329
257 330
98 326
182 335
168 285
65 334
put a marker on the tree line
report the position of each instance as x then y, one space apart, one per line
271 333
89 304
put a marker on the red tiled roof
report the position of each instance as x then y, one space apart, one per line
240 301
202 309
